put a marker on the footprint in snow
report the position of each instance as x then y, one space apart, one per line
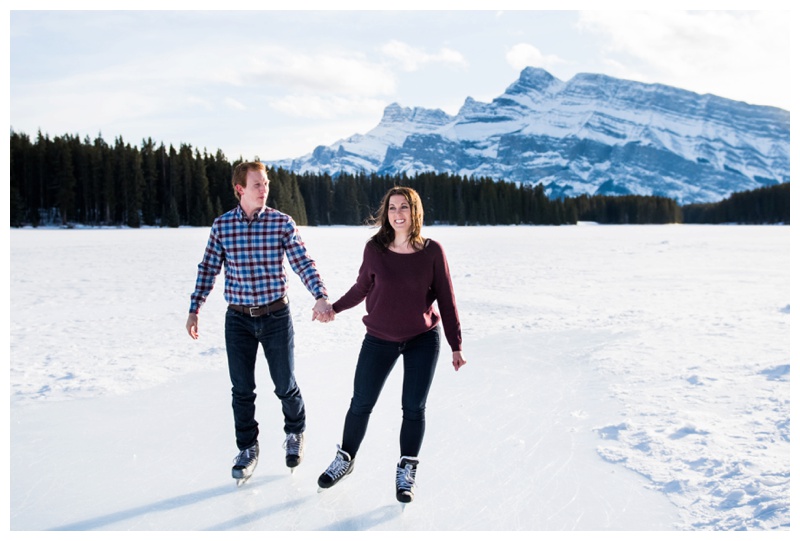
611 432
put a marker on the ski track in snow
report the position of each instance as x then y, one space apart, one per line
600 360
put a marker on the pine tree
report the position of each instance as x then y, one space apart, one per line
65 181
108 192
201 210
300 216
173 217
20 168
149 183
345 201
135 178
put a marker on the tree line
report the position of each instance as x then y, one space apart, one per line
767 205
68 180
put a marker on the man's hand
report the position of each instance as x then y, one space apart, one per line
323 311
191 326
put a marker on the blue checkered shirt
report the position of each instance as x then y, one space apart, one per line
252 252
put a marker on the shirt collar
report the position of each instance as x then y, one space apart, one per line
242 216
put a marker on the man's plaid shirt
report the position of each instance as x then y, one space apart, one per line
252 252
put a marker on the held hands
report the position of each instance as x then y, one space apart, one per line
323 311
458 360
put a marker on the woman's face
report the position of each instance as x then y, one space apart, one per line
399 214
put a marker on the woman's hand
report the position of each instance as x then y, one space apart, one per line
323 311
458 360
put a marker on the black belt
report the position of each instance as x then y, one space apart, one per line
258 311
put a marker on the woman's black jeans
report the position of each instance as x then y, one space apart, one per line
375 362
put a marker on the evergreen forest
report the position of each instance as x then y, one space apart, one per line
68 181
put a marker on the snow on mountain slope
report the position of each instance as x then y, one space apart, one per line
593 134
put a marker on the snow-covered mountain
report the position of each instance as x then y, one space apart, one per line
593 134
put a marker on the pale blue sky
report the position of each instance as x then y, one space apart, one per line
276 84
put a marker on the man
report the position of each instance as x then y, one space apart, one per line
251 241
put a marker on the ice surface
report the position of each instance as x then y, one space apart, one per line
618 378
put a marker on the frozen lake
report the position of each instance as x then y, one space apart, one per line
618 378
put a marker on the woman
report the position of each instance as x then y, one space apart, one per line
401 275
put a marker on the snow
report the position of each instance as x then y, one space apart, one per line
618 378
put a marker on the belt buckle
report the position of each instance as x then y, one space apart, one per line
251 308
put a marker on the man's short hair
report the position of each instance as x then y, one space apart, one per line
240 174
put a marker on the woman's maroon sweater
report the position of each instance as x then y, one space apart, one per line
400 290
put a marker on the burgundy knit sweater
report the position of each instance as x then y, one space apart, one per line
400 290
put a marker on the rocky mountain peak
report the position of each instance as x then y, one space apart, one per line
593 134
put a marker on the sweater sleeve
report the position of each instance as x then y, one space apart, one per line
364 282
446 299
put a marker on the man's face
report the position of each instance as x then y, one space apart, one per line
254 194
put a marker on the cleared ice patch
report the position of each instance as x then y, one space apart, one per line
777 373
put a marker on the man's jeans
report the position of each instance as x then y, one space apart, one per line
275 333
375 362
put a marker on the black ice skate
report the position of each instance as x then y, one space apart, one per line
340 468
245 464
405 480
295 446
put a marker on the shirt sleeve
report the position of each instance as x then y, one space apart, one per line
364 283
207 270
301 263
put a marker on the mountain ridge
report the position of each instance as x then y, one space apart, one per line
593 134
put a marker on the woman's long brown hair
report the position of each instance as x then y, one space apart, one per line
385 235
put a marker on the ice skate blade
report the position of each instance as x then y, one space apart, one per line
241 482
